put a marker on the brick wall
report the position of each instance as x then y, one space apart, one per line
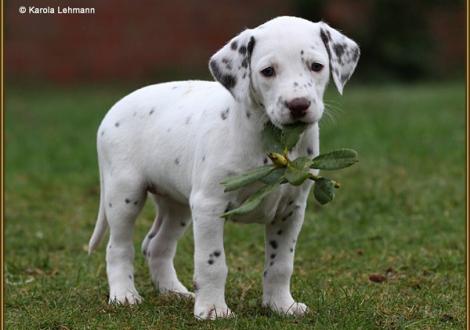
146 39
124 39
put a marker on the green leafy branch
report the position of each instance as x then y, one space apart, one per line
283 170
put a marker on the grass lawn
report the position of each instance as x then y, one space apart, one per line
400 213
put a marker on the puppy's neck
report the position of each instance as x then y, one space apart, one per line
249 116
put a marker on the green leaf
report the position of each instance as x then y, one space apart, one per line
324 190
301 163
274 176
291 133
271 138
298 171
296 177
253 201
335 160
236 182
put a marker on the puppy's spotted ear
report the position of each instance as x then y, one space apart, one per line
343 52
231 65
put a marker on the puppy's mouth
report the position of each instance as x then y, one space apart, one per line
295 122
292 123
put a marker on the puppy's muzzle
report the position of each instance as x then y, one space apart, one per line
298 107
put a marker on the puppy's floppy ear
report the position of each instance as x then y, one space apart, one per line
231 65
343 52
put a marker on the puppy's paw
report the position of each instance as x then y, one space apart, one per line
127 297
294 309
212 312
174 287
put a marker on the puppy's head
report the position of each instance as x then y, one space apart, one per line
284 66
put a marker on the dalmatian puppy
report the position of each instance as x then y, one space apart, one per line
177 141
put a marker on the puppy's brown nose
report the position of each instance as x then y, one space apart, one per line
298 107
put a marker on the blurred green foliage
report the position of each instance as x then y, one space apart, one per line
396 37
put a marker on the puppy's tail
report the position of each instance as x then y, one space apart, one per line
101 222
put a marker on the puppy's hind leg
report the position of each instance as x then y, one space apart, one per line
125 198
160 245
151 234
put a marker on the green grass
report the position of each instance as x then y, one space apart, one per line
402 208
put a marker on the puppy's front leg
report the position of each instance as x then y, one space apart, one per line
210 269
281 237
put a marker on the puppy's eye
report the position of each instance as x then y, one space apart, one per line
316 67
268 72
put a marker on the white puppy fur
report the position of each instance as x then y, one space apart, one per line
177 141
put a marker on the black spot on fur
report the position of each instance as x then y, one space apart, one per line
136 202
290 202
152 235
217 253
265 273
248 114
279 232
273 255
309 150
301 52
296 84
242 50
271 263
130 277
291 249
177 161
326 37
251 45
144 252
344 78
339 49
356 53
183 224
228 63
203 158
210 261
188 120
110 205
224 114
288 216
227 80
265 160
245 63
174 87
116 124
102 133
234 45
127 201
273 244
151 112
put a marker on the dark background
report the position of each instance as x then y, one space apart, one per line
149 41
